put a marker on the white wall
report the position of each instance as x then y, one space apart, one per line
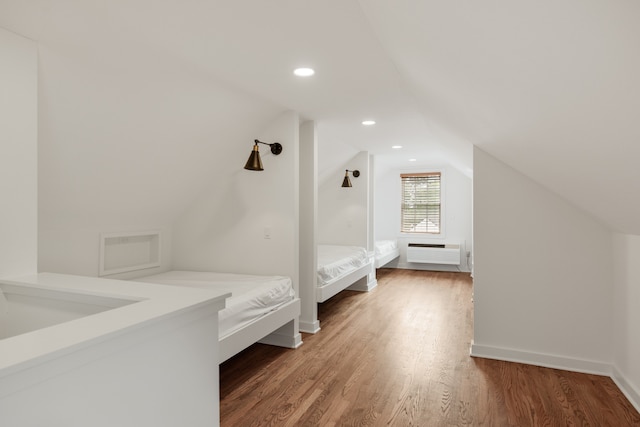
343 212
626 316
77 251
456 212
18 155
225 229
542 274
128 139
308 227
162 373
25 310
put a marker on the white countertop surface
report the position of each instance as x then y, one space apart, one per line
153 302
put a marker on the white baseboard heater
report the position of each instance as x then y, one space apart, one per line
427 253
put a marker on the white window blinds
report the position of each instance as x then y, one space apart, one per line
420 211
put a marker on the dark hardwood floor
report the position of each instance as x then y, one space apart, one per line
399 355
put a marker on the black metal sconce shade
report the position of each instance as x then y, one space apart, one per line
255 163
346 182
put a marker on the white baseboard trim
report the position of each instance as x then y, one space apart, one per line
626 387
282 340
429 267
363 287
309 327
539 359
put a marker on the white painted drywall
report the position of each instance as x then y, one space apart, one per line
626 314
456 211
150 358
18 155
29 311
542 274
128 139
77 251
247 221
308 226
163 373
343 212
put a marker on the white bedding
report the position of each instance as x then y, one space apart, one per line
251 296
335 261
386 251
384 247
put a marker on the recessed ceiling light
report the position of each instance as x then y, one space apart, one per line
304 72
368 122
412 160
396 147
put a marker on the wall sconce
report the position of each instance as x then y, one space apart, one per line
255 163
346 182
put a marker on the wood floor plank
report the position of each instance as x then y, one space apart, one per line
399 355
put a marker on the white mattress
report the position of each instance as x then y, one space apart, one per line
384 247
251 296
335 261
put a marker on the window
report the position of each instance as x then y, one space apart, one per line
420 211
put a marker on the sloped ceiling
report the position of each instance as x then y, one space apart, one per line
550 88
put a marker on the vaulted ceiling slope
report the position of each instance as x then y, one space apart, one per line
550 88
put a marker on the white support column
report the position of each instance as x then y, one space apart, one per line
308 230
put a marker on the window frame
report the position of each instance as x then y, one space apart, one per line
441 207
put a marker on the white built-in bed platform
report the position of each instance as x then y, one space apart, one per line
386 251
339 267
261 308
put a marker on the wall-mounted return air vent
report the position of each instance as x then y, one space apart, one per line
129 251
427 253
